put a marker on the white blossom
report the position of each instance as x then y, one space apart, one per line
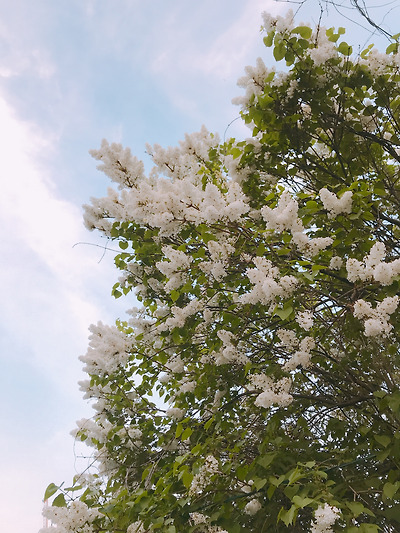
377 320
203 478
335 205
324 517
305 319
252 507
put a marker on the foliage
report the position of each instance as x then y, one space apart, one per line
257 386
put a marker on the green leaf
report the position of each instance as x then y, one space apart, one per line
284 313
266 459
59 501
259 483
279 51
301 501
288 516
344 49
304 31
179 430
186 434
390 489
356 508
187 478
384 440
392 48
174 295
51 489
269 39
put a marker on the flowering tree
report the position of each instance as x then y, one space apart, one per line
256 388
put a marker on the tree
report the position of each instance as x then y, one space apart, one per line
360 7
256 388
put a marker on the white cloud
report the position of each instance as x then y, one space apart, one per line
50 291
185 60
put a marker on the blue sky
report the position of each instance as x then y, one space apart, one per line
71 73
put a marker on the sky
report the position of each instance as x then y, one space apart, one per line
71 73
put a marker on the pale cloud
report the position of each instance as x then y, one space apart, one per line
50 292
185 60
48 285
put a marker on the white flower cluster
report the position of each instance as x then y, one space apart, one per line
253 82
267 284
175 412
177 161
273 392
173 265
229 353
325 517
305 319
167 203
219 252
98 431
278 23
180 314
118 164
336 263
77 518
203 477
334 205
108 349
288 338
252 507
285 217
199 518
373 267
136 527
302 357
377 320
323 50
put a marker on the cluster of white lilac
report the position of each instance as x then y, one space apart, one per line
376 320
324 518
373 268
305 319
108 349
302 356
323 49
273 392
203 477
268 286
230 351
253 82
285 217
179 315
119 164
303 348
166 202
76 518
136 527
335 205
174 265
219 252
201 519
252 507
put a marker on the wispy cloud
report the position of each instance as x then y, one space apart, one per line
50 292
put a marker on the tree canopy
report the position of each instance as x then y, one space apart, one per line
255 387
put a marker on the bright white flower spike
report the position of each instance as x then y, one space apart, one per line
334 205
252 507
373 268
324 517
77 517
305 319
377 320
